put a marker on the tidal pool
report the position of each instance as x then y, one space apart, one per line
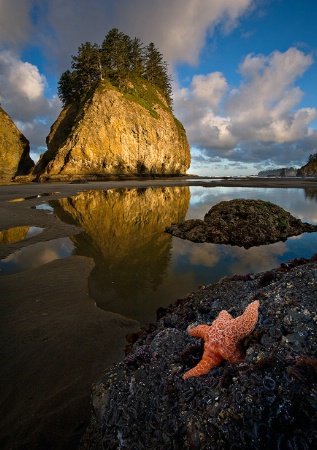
139 267
36 255
17 234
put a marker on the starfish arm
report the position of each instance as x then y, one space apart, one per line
224 315
207 362
235 356
244 324
199 331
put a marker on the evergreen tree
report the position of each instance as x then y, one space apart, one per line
156 71
115 55
87 66
118 58
136 57
66 87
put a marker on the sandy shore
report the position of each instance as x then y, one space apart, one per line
54 341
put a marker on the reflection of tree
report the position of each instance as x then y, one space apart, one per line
311 193
125 236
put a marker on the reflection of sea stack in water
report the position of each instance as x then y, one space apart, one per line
132 252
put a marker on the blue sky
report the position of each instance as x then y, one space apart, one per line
244 71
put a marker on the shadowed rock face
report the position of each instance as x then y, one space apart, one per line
309 170
245 223
109 134
14 149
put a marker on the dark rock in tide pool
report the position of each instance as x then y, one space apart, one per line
241 222
266 401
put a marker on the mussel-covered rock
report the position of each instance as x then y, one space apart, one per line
266 401
241 222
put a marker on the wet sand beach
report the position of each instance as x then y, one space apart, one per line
54 341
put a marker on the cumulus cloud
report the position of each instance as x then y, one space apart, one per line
21 83
57 28
22 96
258 120
177 27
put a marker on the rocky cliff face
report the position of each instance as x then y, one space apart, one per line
14 149
113 133
309 170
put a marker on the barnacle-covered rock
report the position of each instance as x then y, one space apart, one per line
268 400
241 222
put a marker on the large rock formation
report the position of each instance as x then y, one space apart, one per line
309 170
112 133
14 149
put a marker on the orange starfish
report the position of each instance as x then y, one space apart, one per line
222 338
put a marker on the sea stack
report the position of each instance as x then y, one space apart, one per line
15 157
112 134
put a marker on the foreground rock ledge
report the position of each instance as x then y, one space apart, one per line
241 222
269 400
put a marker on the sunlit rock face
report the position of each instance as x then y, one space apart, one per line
125 236
14 149
109 134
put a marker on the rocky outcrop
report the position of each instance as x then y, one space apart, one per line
268 400
112 133
245 223
309 170
14 149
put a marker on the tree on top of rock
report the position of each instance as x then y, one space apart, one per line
156 70
118 59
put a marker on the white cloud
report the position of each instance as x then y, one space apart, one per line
259 120
22 96
21 84
262 108
21 78
179 27
209 90
57 28
255 121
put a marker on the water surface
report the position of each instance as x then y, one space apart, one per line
17 234
139 267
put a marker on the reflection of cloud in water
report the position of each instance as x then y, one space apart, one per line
198 254
295 201
256 259
36 255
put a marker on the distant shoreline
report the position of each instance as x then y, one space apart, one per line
187 180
